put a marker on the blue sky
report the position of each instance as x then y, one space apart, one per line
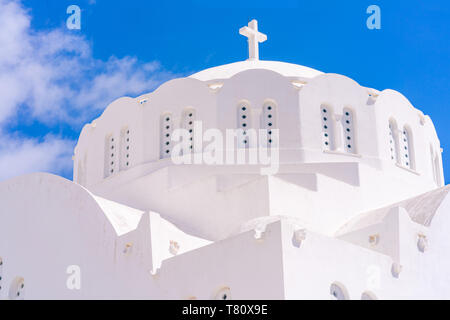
130 47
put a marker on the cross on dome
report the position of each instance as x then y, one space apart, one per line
254 38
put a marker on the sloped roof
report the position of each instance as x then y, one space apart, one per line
123 218
421 209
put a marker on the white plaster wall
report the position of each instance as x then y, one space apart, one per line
61 224
174 96
251 268
206 201
393 105
56 226
309 270
435 268
324 201
377 181
258 87
90 149
322 189
337 92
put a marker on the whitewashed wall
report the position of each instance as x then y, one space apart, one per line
352 181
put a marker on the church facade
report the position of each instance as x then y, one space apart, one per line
356 209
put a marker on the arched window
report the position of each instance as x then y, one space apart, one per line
269 122
125 148
244 122
166 128
349 131
407 154
110 164
393 140
17 289
187 122
328 140
338 291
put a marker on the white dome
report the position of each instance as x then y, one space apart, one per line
228 70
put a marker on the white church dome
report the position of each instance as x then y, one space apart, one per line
331 137
228 70
354 208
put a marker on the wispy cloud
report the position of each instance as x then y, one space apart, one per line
52 77
20 155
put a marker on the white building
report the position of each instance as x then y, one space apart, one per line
357 209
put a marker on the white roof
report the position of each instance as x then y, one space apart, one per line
421 209
124 219
228 70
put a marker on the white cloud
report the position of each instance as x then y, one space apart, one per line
52 77
20 156
53 73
